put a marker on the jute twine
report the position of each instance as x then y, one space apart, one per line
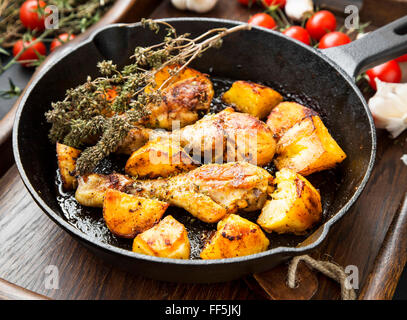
328 268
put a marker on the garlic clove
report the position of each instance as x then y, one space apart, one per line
200 6
389 107
395 126
299 9
361 35
179 4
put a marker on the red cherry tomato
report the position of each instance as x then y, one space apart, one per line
60 40
321 23
333 39
29 16
298 33
29 53
268 3
262 20
387 72
403 58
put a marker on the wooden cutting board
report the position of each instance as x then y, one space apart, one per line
371 236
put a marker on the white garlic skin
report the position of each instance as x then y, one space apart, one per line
361 35
199 6
298 9
179 4
389 107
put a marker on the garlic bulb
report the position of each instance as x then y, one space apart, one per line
179 4
389 107
299 9
200 6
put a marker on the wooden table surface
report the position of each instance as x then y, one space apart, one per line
30 241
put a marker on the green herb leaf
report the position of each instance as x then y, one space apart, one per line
13 91
3 51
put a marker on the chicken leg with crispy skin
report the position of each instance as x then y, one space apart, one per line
211 191
182 101
183 97
226 136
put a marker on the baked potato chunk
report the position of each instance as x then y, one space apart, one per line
286 115
92 188
235 237
127 215
295 205
159 158
308 147
167 239
67 163
252 98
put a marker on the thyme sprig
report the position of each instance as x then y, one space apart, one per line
98 114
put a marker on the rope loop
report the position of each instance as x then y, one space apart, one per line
329 269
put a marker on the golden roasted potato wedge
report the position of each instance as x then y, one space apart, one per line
159 158
127 215
235 237
92 188
167 239
308 147
67 163
286 115
295 205
252 98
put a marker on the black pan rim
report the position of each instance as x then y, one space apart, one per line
66 226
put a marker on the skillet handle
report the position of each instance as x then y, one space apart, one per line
374 48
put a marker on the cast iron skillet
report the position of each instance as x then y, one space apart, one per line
301 72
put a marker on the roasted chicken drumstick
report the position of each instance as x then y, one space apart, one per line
181 101
209 192
226 136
